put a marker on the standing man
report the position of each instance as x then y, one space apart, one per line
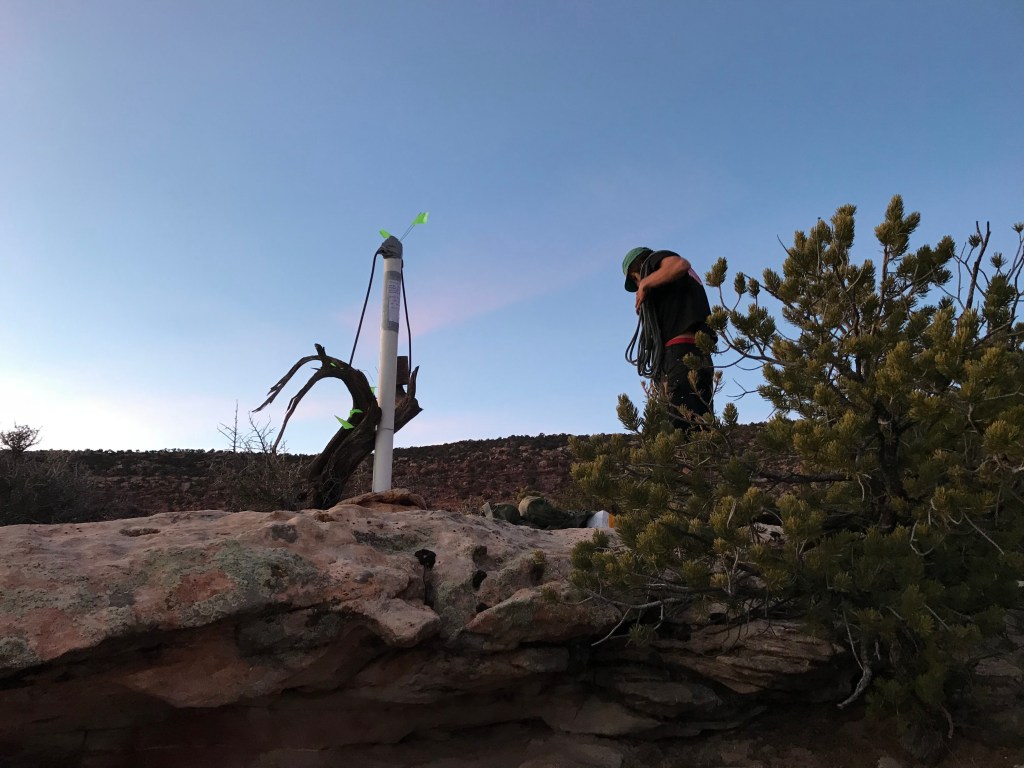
673 308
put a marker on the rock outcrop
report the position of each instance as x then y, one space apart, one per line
305 639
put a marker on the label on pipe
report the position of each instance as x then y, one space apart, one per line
394 288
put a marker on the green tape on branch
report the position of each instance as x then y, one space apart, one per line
348 424
422 218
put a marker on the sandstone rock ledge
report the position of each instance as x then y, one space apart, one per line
309 639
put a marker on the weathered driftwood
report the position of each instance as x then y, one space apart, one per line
349 446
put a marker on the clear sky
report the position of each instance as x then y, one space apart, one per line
190 190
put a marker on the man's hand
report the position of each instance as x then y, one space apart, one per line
671 268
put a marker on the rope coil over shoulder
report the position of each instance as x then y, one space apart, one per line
646 350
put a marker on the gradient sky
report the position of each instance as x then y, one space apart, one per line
190 191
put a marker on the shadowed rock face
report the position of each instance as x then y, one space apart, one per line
208 638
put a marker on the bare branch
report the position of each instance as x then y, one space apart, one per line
349 446
630 608
977 261
866 672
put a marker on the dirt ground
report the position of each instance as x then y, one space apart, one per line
818 736
814 736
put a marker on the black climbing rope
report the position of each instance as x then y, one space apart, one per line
645 349
366 299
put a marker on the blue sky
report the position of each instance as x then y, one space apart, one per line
190 192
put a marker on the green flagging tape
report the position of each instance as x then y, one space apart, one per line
348 424
421 218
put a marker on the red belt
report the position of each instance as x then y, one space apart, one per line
686 338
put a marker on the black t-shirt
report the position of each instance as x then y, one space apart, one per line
680 306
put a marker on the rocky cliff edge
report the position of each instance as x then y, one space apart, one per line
251 639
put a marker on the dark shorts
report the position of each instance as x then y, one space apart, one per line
699 399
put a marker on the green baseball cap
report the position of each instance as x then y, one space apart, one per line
632 256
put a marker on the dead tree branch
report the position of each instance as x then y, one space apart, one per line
350 446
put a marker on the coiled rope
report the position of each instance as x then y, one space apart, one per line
645 349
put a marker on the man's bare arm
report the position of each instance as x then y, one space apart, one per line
670 268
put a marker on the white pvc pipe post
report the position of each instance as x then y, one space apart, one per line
386 387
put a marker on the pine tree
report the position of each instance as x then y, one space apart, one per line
884 500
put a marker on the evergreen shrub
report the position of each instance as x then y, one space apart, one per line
883 502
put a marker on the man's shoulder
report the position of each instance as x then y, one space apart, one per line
658 256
